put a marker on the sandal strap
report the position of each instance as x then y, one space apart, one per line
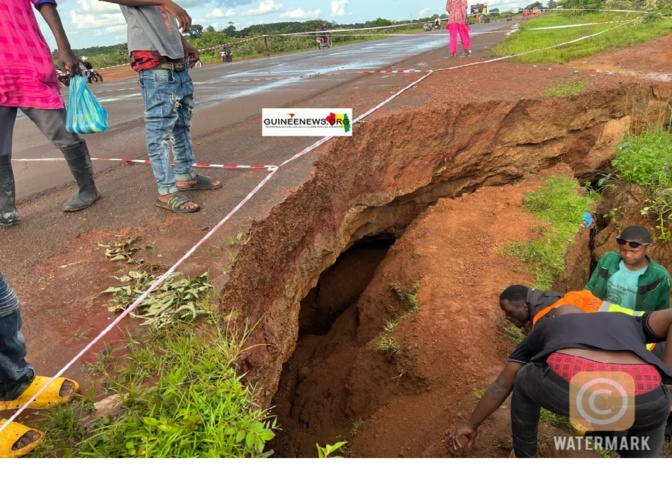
177 200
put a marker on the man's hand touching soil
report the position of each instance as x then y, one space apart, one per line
454 442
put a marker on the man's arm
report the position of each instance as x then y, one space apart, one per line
493 398
183 19
190 52
66 58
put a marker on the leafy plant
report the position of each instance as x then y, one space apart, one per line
328 450
177 298
388 346
122 251
408 297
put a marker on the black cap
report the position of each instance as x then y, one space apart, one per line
637 234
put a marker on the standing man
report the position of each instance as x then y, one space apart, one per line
630 278
28 82
162 57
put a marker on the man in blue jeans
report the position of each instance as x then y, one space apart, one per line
162 57
18 382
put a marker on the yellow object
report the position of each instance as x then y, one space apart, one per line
47 399
11 434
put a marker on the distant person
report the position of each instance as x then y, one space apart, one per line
630 278
437 23
457 23
84 61
323 29
28 81
162 57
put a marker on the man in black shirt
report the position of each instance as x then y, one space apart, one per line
570 343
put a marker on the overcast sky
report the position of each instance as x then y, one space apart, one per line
93 22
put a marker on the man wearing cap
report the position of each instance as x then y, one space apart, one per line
630 278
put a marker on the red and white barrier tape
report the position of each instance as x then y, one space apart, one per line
329 31
156 284
235 42
189 253
147 161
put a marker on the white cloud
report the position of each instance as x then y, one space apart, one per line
97 6
424 12
300 14
82 21
218 13
265 7
338 7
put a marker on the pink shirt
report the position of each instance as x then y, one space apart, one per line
27 74
457 11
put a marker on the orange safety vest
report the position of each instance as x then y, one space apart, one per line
589 303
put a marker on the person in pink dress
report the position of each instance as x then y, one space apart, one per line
28 82
457 23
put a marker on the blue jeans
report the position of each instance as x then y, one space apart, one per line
169 104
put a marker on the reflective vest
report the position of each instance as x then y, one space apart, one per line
586 301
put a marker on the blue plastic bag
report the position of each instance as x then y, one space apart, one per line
85 113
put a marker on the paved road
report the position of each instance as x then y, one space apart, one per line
221 105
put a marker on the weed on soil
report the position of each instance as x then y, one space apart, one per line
646 159
560 207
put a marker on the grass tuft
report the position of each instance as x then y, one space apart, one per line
560 207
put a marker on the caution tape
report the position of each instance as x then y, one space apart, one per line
191 251
147 161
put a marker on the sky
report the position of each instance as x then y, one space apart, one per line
97 23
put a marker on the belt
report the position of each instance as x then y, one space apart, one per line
174 66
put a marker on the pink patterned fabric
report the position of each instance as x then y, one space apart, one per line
457 11
27 74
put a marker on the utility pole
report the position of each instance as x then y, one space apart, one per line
268 51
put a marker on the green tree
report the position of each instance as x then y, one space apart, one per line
552 4
494 11
535 5
195 30
210 29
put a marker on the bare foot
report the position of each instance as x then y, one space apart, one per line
187 183
184 206
66 389
28 438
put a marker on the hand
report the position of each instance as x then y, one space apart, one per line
183 19
191 53
453 439
68 61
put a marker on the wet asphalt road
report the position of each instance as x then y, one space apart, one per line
219 105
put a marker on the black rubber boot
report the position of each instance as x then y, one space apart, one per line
79 162
8 214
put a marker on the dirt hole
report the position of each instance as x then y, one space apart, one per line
341 285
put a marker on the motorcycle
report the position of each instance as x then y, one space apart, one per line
92 76
226 56
428 26
323 42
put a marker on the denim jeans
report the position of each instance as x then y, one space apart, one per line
15 373
539 387
169 104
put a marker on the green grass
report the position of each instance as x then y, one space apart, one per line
560 208
631 34
388 346
646 159
181 397
568 88
514 334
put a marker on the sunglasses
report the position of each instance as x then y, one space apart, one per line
633 244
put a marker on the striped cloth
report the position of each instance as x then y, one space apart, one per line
27 74
9 303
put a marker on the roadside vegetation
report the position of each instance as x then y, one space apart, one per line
641 29
645 159
175 389
559 205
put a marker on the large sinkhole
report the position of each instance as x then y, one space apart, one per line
313 386
318 285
